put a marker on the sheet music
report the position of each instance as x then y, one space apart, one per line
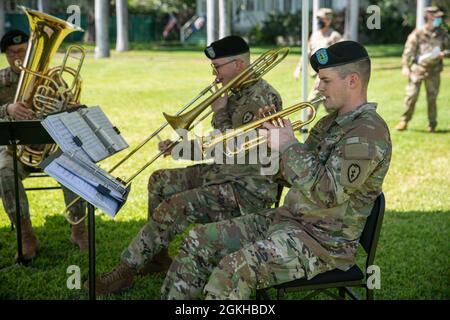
104 129
95 134
85 183
91 144
64 136
94 174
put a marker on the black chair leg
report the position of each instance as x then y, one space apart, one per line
342 293
369 294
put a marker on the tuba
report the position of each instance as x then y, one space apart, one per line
42 89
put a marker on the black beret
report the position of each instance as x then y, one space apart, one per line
13 37
340 53
226 47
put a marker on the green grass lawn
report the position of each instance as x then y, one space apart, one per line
134 89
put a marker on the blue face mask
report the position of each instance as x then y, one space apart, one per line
437 22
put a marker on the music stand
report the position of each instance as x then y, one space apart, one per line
15 133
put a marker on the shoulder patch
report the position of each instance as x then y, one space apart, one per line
247 117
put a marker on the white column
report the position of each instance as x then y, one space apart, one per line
305 55
421 4
316 6
42 6
101 29
224 22
122 43
210 21
351 20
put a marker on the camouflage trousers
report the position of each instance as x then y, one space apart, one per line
8 195
178 198
229 259
432 82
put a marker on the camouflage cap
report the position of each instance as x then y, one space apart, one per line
434 11
13 37
324 13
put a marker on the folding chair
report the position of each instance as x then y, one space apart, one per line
342 280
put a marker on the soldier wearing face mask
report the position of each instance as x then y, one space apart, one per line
422 61
322 38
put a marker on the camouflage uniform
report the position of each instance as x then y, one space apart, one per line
8 85
420 42
335 176
207 192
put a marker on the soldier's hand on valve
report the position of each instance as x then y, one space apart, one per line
19 111
277 137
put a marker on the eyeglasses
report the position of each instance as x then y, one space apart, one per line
12 53
217 67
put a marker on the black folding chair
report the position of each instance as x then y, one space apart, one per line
341 280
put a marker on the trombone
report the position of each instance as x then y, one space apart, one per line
207 143
250 75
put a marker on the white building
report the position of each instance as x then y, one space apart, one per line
246 14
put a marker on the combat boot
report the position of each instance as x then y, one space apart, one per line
159 264
119 279
79 236
30 244
402 125
431 129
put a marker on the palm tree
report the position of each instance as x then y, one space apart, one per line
101 29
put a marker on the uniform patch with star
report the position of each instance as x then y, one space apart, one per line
247 117
353 172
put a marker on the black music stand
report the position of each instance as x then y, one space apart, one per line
15 133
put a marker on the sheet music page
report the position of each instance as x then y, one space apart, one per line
104 129
82 188
90 142
59 131
94 133
93 174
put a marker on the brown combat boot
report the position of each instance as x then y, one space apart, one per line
159 264
431 129
79 236
119 279
30 244
402 125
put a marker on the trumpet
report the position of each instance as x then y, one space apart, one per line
227 139
188 120
248 76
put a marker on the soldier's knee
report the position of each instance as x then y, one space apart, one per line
234 264
155 179
194 240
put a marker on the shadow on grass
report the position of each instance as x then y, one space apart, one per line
438 131
411 254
